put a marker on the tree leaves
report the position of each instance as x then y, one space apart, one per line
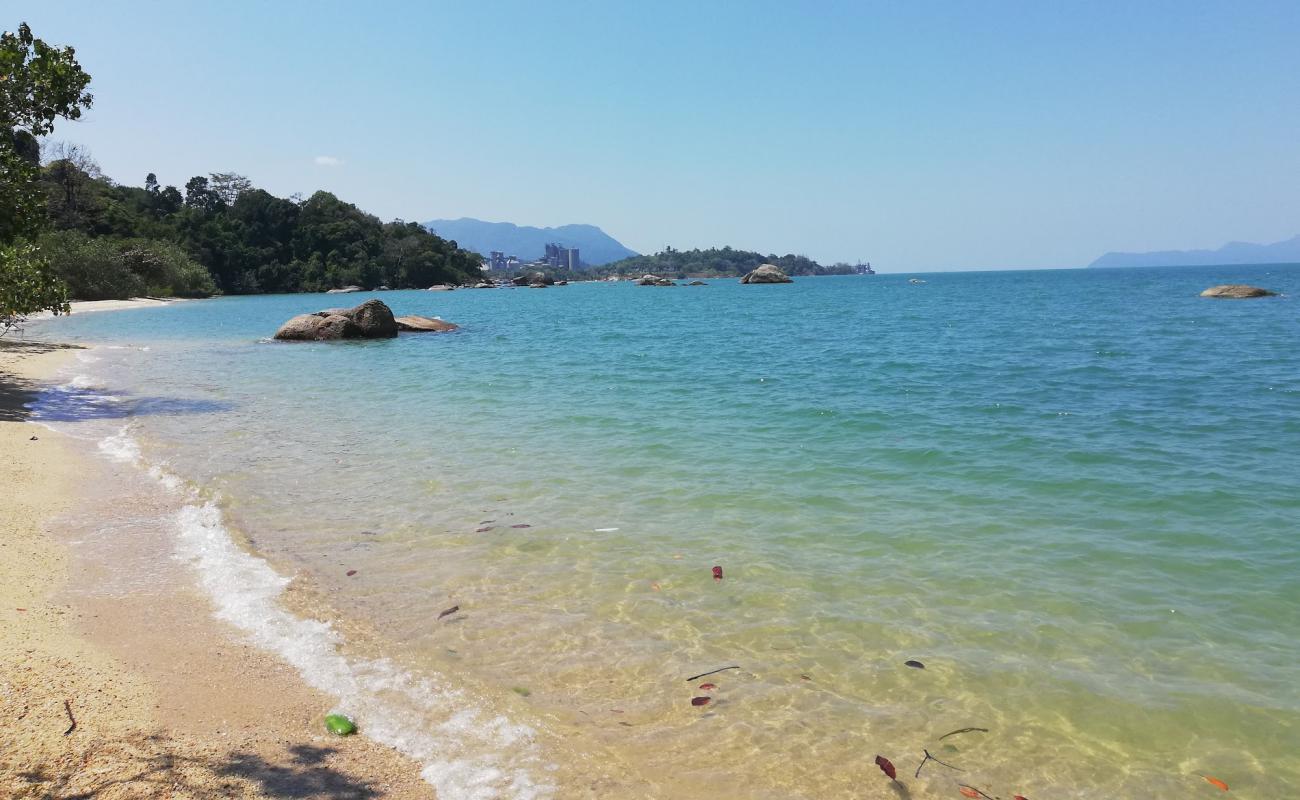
1215 782
887 767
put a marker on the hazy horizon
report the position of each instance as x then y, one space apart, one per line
949 137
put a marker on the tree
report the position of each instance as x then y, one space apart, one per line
38 84
228 186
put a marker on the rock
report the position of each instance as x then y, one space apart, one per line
561 283
370 320
382 289
485 285
536 286
766 273
345 290
375 320
441 288
531 278
415 323
1236 291
697 283
648 280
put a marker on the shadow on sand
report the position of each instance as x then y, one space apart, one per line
151 766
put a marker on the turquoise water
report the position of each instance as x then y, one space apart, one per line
1071 494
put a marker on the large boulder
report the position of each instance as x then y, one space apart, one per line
767 273
532 278
432 324
345 290
485 285
318 327
1236 291
370 320
442 287
655 280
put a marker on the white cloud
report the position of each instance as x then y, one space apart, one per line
328 161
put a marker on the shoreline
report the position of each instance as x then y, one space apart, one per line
167 700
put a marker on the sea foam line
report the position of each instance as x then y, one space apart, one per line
469 755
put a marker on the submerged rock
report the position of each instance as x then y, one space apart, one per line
370 320
766 273
1236 291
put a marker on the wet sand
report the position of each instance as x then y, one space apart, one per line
167 701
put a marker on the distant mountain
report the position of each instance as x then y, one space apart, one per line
594 245
1287 252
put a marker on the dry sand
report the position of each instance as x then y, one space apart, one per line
168 701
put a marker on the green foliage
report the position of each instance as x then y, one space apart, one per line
27 286
717 262
248 240
116 269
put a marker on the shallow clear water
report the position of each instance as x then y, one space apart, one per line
1071 494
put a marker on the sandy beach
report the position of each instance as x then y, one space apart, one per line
114 694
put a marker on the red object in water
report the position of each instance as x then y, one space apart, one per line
1020 797
717 573
484 529
521 526
887 767
700 701
967 791
351 572
705 687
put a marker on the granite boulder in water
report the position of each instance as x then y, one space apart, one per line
766 273
1236 291
432 324
370 320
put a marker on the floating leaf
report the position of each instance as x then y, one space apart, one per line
1215 782
351 572
706 687
1019 797
967 791
700 701
717 573
484 529
521 525
805 677
914 664
449 612
340 725
887 767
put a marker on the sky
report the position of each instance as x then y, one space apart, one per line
914 135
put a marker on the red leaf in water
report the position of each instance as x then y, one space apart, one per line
717 573
351 572
700 701
1020 797
887 767
708 686
484 529
967 791
914 664
522 525
449 612
1215 782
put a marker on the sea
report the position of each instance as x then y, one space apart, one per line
1019 533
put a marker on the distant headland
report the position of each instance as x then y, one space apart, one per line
1284 252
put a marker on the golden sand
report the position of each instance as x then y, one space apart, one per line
167 701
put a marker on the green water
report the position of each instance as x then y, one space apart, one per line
1072 495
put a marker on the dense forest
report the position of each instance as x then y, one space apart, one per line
223 235
717 262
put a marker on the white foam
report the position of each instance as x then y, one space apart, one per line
121 446
469 755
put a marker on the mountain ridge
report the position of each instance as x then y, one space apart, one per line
1286 251
529 242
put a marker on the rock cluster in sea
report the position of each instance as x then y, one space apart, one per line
766 273
1236 291
373 319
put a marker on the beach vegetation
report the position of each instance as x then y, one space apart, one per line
718 262
39 83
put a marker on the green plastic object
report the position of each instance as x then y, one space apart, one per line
340 725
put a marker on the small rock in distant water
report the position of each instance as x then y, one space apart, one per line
441 288
345 290
485 285
766 273
697 283
1236 291
914 664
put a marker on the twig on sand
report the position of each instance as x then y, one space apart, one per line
67 706
929 757
710 672
962 730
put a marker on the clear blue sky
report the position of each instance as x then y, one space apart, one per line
914 135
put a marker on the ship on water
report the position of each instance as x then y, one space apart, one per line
863 269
